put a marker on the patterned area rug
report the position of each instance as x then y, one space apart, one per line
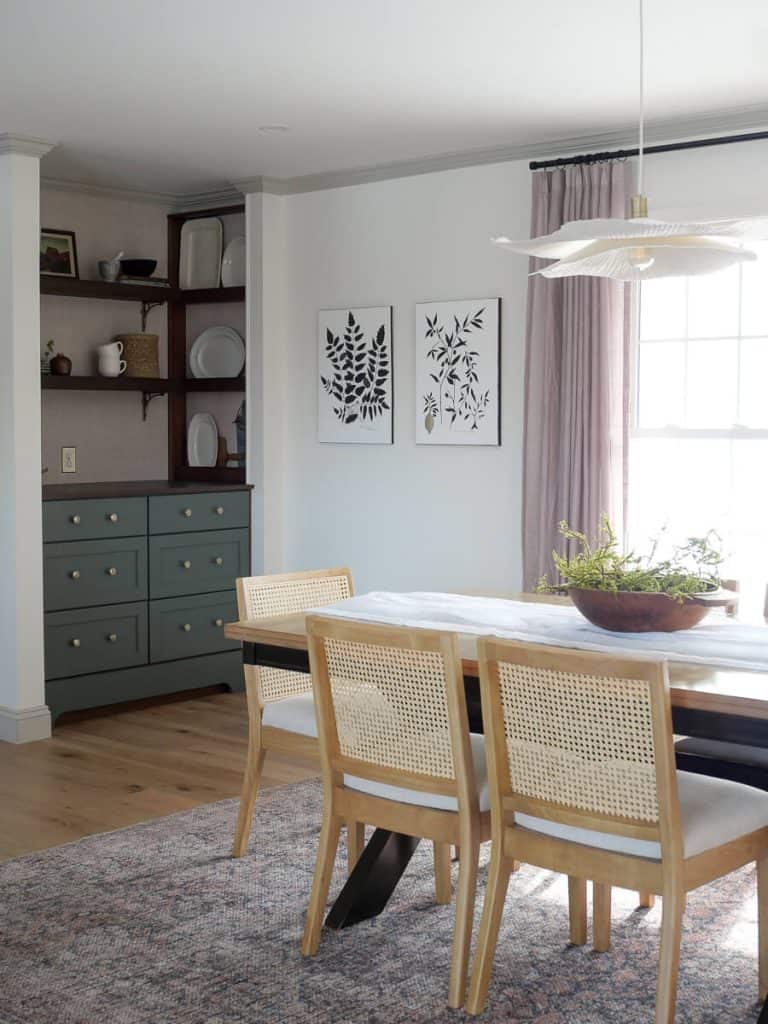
155 924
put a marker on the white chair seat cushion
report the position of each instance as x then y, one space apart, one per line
437 800
712 812
294 714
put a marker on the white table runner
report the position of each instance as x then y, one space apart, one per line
717 641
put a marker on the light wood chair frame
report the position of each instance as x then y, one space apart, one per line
264 738
466 828
671 877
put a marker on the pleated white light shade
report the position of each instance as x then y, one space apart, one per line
641 249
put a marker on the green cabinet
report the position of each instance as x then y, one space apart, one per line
94 518
196 563
94 572
95 639
137 591
193 512
182 627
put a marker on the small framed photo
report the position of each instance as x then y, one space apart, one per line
58 253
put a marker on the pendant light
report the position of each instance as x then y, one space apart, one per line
638 249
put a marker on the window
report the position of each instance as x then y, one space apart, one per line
699 447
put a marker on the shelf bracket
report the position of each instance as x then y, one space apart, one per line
146 309
146 398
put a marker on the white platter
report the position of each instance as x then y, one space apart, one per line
233 263
202 440
200 257
217 352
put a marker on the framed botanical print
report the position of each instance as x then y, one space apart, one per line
355 375
458 372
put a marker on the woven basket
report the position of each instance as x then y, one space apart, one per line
140 351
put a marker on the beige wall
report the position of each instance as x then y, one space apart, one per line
112 441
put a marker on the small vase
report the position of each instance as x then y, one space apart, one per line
61 366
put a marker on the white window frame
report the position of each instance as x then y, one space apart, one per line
737 432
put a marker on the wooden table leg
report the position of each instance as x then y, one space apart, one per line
373 880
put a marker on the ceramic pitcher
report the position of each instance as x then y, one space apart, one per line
110 363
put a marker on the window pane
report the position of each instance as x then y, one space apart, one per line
713 304
754 288
711 392
753 403
662 308
661 384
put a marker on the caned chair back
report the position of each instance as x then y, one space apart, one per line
391 706
580 738
261 597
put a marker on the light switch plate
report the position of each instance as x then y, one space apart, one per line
68 460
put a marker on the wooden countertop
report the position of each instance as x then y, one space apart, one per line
135 489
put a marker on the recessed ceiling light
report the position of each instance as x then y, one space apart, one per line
274 128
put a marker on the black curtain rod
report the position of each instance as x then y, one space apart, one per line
669 147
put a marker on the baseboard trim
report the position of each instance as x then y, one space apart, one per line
24 725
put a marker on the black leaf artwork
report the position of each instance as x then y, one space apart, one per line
360 373
455 374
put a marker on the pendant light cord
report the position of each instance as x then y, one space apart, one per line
641 144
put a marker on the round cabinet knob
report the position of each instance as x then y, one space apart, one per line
75 574
219 510
218 622
187 627
186 564
113 517
112 638
187 513
218 560
75 520
112 571
75 642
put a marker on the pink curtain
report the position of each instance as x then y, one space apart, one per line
577 376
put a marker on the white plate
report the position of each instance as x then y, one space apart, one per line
200 259
217 352
202 440
233 263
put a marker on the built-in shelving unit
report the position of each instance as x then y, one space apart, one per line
177 385
177 356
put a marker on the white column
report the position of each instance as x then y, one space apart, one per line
265 232
23 713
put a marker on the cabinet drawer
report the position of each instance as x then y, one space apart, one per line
187 513
197 563
94 518
181 627
94 572
95 640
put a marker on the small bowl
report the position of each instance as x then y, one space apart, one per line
138 268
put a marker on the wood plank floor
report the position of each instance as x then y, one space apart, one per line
106 772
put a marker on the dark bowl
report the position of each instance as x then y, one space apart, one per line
138 268
631 612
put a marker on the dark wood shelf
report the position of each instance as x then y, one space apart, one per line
155 385
195 295
213 384
104 290
209 474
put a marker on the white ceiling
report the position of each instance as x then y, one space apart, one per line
167 95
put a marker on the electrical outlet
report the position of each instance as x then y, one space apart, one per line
68 461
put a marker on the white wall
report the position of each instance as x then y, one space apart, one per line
400 516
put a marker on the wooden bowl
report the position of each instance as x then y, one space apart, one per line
630 612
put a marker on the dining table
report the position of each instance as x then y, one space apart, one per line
712 702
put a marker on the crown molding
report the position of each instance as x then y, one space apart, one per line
26 145
717 123
676 129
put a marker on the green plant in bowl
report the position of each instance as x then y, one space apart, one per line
638 593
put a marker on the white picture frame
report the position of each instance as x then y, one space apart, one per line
458 372
355 375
